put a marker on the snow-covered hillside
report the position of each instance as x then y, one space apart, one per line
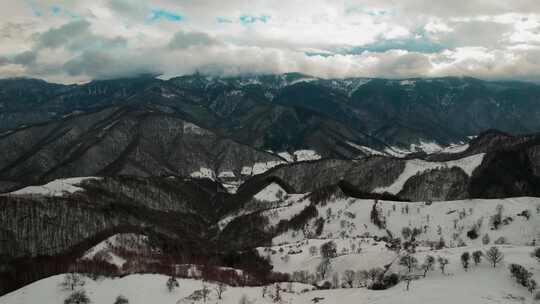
58 187
416 166
481 284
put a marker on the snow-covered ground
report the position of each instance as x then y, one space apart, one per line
57 187
347 223
481 284
127 241
415 166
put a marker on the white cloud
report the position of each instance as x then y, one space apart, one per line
109 38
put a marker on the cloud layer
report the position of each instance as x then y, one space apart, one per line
76 41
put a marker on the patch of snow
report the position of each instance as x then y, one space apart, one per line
168 95
232 186
416 166
226 174
407 82
269 95
396 152
303 79
271 193
365 150
287 156
303 155
58 187
261 167
455 148
204 173
190 128
428 147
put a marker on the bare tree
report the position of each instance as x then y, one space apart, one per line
429 262
536 254
494 256
324 268
442 263
408 278
172 283
220 288
409 261
277 293
205 292
72 281
477 257
465 258
348 277
78 297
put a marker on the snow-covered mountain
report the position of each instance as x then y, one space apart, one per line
268 188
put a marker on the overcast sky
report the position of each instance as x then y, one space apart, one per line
75 41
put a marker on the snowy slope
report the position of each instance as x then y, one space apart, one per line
271 193
57 187
416 166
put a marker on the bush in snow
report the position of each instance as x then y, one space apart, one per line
485 239
477 257
465 258
377 216
72 281
520 273
78 297
494 256
531 285
328 250
121 300
473 233
496 219
537 296
526 214
536 254
172 283
385 282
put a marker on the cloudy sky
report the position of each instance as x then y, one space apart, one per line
75 41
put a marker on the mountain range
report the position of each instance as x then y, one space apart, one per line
194 162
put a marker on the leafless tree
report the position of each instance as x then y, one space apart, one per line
494 256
